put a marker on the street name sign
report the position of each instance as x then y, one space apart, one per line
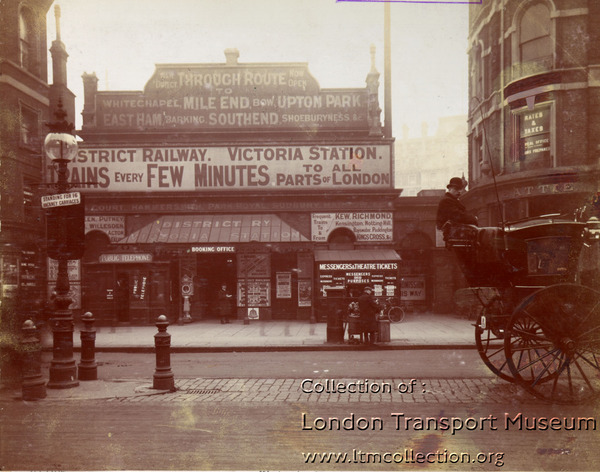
61 199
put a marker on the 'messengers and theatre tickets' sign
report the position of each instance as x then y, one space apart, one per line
250 96
226 168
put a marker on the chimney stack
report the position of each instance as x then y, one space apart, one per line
231 55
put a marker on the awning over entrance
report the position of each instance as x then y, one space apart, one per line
200 229
364 255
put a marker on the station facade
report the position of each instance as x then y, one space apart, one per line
244 175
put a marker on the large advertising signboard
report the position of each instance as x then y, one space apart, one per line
351 277
226 97
226 168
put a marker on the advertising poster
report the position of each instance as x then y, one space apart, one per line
256 144
284 284
259 293
304 292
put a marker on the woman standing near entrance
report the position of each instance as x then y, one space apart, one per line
225 305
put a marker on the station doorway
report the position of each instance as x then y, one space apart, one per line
213 271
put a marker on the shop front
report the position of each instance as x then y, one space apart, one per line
128 288
342 276
182 261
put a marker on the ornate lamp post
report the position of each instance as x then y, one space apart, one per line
60 146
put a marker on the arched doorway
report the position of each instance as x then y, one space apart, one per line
341 238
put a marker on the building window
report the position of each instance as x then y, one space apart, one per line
478 156
477 72
29 127
26 40
535 45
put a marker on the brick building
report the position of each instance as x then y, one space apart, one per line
247 175
534 97
25 98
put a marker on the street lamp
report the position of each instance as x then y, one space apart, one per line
60 146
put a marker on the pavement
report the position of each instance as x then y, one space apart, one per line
417 331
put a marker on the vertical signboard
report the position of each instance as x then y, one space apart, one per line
534 135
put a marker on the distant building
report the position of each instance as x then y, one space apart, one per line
534 118
428 162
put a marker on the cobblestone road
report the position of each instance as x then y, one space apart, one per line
459 391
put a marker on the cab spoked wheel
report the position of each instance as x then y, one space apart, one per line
553 349
490 333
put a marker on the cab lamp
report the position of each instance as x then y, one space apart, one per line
592 229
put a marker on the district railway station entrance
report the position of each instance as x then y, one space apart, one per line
199 200
212 271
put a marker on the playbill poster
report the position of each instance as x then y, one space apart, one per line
250 176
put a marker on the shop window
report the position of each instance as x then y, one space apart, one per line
553 204
535 51
515 210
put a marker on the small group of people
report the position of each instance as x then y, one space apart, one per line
363 317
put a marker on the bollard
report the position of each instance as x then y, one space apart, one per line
34 386
383 335
163 376
87 368
335 326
